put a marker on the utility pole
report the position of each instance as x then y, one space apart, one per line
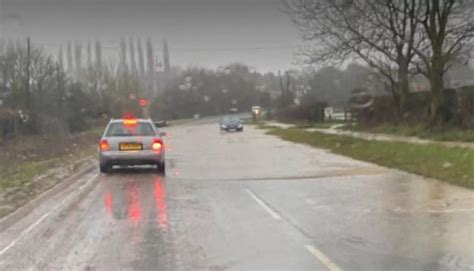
166 57
62 111
27 86
60 91
2 32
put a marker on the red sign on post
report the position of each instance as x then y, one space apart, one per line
143 102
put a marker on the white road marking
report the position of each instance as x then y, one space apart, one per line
432 211
461 210
267 208
34 225
323 258
313 250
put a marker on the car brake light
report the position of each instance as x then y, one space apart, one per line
104 145
157 145
130 122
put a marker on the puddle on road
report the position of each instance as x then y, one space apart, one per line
322 174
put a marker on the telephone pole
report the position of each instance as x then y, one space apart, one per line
27 86
1 20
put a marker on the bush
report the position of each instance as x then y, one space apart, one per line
8 123
466 107
458 109
383 110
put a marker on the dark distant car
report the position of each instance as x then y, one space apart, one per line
160 123
231 123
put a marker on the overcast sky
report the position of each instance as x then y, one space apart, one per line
199 32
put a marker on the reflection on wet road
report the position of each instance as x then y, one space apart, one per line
246 201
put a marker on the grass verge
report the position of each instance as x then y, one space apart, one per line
453 165
421 131
32 164
308 124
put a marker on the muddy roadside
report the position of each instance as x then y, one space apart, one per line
31 165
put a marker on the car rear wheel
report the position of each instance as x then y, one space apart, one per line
161 168
106 168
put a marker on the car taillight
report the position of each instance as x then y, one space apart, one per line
157 145
130 122
104 145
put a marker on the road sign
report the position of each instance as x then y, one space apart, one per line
143 102
328 111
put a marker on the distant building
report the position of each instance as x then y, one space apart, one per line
419 83
459 76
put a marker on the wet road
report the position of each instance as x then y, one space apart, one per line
246 201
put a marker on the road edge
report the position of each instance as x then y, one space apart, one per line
23 211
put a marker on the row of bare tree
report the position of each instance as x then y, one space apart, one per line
39 95
397 38
131 55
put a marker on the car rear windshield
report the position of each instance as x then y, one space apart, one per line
139 129
231 119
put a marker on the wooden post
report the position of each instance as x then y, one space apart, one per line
27 86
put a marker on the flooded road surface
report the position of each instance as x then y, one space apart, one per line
246 201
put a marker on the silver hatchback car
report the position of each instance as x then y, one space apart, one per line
131 142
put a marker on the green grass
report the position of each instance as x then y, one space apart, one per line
27 157
251 122
308 124
18 176
15 174
17 186
421 131
454 165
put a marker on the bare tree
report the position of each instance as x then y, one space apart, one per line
98 55
70 65
89 56
141 58
133 63
150 66
449 30
149 57
123 56
381 33
78 58
41 69
61 58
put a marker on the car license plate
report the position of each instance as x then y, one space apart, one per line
130 146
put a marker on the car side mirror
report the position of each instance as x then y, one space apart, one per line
163 134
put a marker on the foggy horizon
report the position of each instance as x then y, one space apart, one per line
207 34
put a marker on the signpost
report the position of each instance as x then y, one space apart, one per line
144 105
143 102
328 111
